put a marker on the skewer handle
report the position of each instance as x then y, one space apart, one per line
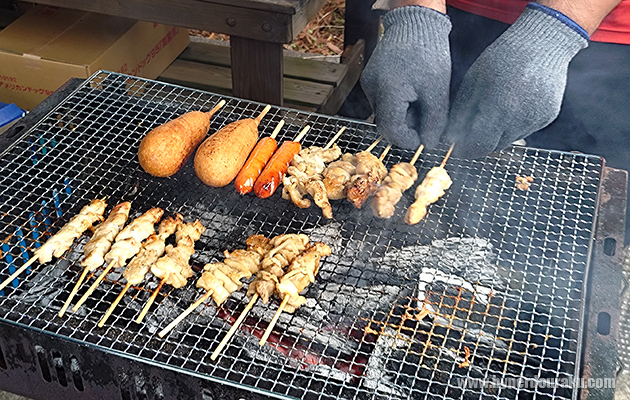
301 135
234 327
416 155
75 289
18 272
262 114
373 145
94 286
184 314
387 149
448 154
145 310
277 129
334 139
274 320
215 108
113 306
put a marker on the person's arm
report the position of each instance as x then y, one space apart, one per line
586 13
437 5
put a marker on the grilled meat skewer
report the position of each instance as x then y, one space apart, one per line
299 275
401 177
173 268
152 249
127 243
434 186
99 245
60 242
221 279
284 249
304 176
370 172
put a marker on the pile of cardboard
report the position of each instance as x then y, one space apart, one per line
47 46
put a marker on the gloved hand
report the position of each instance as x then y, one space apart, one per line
515 87
407 77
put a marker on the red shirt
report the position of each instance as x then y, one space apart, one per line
615 28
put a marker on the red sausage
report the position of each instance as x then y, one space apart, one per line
257 160
270 178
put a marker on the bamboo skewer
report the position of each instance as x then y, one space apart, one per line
387 149
448 154
75 289
334 139
113 306
184 314
94 286
262 114
274 320
215 108
373 145
234 327
302 133
416 155
277 129
145 310
18 272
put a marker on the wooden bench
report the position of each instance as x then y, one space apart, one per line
309 84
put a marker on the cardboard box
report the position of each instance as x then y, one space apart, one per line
47 46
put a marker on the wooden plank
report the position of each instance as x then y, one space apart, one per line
280 6
229 19
304 15
218 79
257 70
218 53
353 59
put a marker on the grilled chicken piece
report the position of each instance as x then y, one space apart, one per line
152 249
174 266
428 192
368 162
400 178
300 274
104 235
285 249
246 262
259 243
370 172
57 244
317 190
338 175
293 187
304 176
224 278
129 241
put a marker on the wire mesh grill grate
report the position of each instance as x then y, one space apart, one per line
492 270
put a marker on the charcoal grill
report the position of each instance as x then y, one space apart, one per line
526 281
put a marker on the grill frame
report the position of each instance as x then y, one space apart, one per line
237 241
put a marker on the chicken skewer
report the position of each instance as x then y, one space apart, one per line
369 174
434 186
222 279
284 249
127 244
152 249
173 268
338 175
99 245
304 176
60 242
299 275
400 178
